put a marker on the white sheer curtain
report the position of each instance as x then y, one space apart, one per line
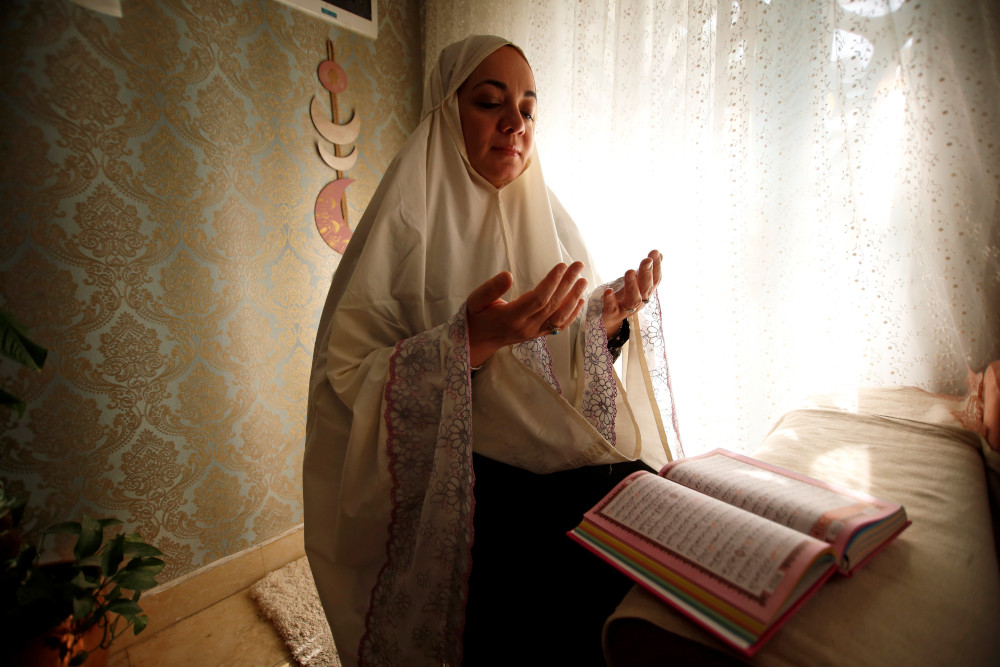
821 176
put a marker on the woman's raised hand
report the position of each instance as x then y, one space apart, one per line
552 305
633 295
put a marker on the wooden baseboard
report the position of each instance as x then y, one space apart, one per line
187 595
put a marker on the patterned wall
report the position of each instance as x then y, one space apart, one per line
156 205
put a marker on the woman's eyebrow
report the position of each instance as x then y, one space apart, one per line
503 86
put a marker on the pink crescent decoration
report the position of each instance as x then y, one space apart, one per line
332 76
330 217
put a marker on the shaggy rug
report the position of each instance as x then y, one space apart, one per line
289 599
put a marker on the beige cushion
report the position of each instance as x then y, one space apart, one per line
932 597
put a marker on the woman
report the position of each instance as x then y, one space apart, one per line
420 360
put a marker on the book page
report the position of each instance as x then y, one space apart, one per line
730 543
813 510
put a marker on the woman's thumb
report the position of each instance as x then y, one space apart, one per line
610 301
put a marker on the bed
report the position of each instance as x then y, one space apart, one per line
932 597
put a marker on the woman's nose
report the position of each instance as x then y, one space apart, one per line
512 121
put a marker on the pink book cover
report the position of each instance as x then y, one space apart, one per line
746 650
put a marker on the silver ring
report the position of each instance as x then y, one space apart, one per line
645 300
553 329
631 310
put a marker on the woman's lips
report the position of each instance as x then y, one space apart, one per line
512 151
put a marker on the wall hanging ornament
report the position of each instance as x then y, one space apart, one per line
331 204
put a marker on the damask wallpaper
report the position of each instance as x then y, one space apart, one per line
159 173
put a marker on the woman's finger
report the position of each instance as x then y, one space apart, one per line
536 301
566 312
486 294
537 305
569 284
630 296
657 257
576 312
645 276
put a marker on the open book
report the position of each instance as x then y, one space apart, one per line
736 544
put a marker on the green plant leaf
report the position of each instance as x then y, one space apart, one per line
91 536
148 565
136 581
124 607
110 522
139 624
81 580
15 344
82 606
13 402
65 527
93 560
135 548
112 556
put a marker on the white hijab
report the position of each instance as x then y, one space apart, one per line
391 417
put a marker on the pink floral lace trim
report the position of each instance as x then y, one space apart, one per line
416 614
600 388
535 356
654 347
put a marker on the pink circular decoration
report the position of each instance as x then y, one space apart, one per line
332 76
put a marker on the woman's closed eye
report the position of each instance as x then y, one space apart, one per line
527 113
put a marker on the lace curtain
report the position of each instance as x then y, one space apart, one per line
822 178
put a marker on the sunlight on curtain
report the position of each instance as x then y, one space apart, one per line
822 178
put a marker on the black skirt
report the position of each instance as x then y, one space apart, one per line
535 596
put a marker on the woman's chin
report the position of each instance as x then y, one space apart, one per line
501 177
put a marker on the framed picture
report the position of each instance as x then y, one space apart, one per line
358 15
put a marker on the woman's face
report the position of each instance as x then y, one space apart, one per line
497 107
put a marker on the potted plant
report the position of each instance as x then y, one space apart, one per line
61 611
65 609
